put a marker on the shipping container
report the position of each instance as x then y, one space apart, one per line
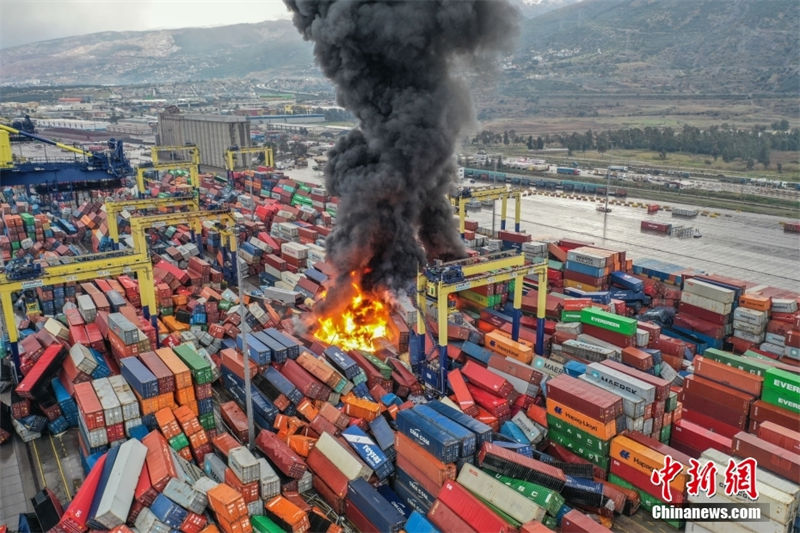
499 495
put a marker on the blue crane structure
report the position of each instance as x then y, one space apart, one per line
99 169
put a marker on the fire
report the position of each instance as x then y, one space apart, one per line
356 327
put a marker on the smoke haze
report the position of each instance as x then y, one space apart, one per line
392 66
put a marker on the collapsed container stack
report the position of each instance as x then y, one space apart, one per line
563 439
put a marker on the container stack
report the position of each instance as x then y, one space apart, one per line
582 418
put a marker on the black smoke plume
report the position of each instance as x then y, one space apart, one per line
392 65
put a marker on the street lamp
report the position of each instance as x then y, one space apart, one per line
245 330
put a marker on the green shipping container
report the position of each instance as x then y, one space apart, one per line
608 321
499 512
383 368
550 522
262 524
647 500
570 316
672 402
590 442
784 399
549 500
748 364
783 382
565 440
179 442
754 355
201 370
666 433
207 421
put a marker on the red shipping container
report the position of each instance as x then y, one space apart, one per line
698 437
727 375
637 358
722 394
577 522
160 464
617 339
696 401
769 456
446 519
780 436
471 509
89 406
593 401
703 314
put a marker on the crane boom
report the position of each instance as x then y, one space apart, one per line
75 149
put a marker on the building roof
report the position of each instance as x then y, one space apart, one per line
204 117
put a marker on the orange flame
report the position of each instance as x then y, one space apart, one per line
363 321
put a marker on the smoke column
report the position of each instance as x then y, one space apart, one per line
391 63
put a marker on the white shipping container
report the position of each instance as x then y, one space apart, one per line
82 358
753 329
616 351
746 335
57 329
774 338
184 495
706 303
294 249
501 496
781 506
771 348
338 455
147 522
115 504
129 403
270 483
642 338
758 318
709 290
112 410
783 305
204 484
131 424
528 427
244 465
86 307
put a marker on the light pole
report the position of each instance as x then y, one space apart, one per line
245 330
605 209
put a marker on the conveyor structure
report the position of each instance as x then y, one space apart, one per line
494 193
443 279
81 268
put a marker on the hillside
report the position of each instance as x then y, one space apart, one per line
662 46
161 56
675 47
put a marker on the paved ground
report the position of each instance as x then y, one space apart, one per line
740 245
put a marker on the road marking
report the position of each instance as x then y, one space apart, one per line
60 470
39 464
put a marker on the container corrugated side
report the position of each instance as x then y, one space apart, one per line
499 495
338 455
118 496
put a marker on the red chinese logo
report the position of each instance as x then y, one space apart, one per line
741 478
665 476
704 478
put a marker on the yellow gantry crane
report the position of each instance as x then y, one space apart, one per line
495 193
115 207
82 268
192 164
221 220
443 279
230 156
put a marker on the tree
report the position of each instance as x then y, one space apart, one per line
779 166
750 163
505 138
763 155
539 143
530 142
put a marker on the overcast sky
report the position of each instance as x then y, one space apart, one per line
27 21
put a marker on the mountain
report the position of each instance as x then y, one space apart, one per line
161 56
597 46
685 46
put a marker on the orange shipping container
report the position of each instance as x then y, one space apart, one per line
759 303
643 459
503 345
183 377
227 503
603 431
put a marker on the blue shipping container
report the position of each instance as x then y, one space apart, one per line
374 507
440 443
370 452
139 377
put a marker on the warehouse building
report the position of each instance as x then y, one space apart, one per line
213 134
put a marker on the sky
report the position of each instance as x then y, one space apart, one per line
27 21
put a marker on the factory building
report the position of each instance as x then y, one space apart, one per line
213 134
